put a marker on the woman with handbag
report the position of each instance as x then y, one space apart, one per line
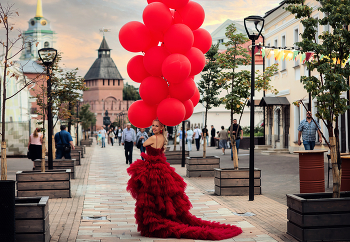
35 145
111 136
141 137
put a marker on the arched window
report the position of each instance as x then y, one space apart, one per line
46 44
29 48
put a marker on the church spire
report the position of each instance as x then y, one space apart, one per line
39 9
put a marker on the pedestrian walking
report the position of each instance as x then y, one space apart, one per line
128 140
118 134
180 137
197 137
237 132
206 134
189 137
103 137
212 139
111 136
64 143
223 136
307 128
141 137
35 145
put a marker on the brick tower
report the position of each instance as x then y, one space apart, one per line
105 87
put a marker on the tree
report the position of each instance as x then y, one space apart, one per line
11 39
130 93
330 54
208 85
238 82
86 117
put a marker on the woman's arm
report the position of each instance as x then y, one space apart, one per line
150 141
41 139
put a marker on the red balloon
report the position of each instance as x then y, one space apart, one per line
202 40
175 4
171 112
152 1
197 59
157 16
154 59
195 98
178 39
153 90
135 36
192 15
176 68
141 114
176 17
183 90
136 70
189 109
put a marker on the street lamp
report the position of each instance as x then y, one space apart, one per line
253 26
48 57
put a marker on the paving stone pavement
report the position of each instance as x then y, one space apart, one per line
108 209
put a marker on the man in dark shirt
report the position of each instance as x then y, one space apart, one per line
63 139
212 139
238 134
206 134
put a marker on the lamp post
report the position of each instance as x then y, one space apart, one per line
48 57
253 26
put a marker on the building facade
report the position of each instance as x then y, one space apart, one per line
282 29
105 87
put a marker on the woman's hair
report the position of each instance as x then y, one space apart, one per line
164 134
36 131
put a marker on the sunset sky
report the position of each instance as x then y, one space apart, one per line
77 24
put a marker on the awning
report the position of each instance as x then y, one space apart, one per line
256 102
271 101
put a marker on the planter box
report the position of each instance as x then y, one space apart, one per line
32 219
86 142
75 155
245 142
7 210
58 164
53 183
230 182
202 167
318 217
175 157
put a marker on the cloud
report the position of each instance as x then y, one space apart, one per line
77 24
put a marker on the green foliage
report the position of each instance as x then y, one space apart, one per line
130 92
208 86
66 90
334 47
258 131
238 83
86 117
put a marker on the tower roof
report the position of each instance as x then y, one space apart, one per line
104 66
104 45
39 9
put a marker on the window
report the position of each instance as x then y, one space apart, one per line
33 110
103 82
296 39
306 72
29 48
118 82
276 45
113 82
283 45
326 27
220 41
297 73
108 82
46 44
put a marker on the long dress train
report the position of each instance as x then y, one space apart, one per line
162 207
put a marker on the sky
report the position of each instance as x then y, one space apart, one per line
77 24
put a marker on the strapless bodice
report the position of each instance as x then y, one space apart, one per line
153 151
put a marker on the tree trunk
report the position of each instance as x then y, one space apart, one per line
70 117
53 147
3 161
43 153
335 169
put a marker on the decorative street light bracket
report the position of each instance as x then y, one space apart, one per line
254 26
47 56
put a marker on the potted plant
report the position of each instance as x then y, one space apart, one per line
329 58
234 181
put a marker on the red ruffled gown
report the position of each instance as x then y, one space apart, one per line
162 207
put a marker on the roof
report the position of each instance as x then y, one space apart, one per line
104 45
103 67
30 66
270 101
274 9
256 103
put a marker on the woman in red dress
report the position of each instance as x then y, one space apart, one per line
162 207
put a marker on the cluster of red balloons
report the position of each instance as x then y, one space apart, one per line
173 46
